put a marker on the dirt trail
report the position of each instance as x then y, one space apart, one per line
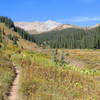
14 88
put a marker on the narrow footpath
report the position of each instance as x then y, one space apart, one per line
15 85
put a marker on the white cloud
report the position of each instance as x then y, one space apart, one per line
79 19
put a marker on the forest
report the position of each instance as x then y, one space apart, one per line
70 38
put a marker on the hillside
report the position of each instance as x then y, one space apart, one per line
10 33
70 38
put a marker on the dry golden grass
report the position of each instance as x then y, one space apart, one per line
91 58
7 31
48 83
27 45
39 81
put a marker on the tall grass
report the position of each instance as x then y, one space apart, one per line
7 71
41 79
91 58
6 77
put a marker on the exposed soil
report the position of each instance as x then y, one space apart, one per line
14 88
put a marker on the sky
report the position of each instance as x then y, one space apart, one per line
77 12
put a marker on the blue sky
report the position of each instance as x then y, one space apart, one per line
79 12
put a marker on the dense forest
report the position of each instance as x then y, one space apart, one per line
68 38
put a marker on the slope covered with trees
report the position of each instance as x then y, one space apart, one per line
70 38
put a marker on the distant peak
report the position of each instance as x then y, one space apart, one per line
38 26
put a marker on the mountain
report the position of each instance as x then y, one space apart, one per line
95 26
38 27
68 26
41 27
70 38
60 36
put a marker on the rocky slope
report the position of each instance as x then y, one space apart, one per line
38 27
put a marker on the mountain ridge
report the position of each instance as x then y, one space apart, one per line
37 27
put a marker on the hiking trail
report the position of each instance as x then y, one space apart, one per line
15 85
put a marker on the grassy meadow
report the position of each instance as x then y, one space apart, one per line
42 79
91 58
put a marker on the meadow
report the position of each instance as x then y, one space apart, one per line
90 58
42 79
